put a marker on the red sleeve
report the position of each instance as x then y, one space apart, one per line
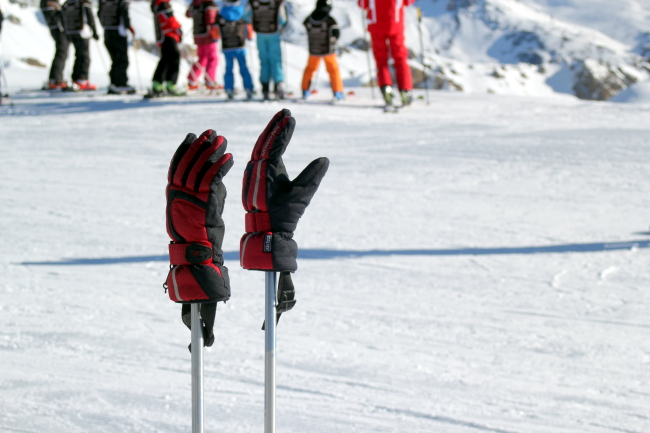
250 33
364 4
168 23
173 23
408 2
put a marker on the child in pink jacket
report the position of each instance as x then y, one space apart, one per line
204 15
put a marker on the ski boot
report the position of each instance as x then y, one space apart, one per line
230 94
157 90
387 92
56 85
306 94
279 91
338 96
192 86
121 90
265 92
407 97
212 87
249 94
83 85
172 90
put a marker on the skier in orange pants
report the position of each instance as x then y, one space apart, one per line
322 32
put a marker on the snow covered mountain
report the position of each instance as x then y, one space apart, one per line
587 48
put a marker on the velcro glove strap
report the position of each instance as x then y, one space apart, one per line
190 254
257 222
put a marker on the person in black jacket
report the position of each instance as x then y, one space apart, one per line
114 17
79 27
54 18
322 34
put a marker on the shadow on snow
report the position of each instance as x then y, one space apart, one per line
80 103
325 254
28 104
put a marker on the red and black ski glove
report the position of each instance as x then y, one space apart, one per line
195 200
274 204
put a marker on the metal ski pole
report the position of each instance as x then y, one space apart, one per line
101 56
136 46
316 80
6 85
269 356
197 369
285 62
424 66
365 37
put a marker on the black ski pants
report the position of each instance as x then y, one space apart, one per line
117 47
81 57
61 45
170 62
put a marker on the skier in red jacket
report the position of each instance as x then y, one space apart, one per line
386 28
168 36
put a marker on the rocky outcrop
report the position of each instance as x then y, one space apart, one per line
598 81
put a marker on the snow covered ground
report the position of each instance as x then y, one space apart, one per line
476 265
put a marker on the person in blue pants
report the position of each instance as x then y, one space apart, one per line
268 18
234 32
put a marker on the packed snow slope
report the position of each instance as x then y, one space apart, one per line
479 265
592 49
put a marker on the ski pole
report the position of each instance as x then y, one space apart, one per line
424 67
285 61
269 356
365 37
101 57
317 74
4 78
6 85
197 369
136 46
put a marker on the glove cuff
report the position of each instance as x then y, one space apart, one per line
268 251
198 283
258 222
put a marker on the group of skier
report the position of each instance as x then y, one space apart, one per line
73 22
235 25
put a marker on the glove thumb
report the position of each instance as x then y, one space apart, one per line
305 185
289 205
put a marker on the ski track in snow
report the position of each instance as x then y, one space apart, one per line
477 265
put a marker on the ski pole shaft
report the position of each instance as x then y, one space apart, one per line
424 67
269 356
136 46
101 56
197 369
6 85
365 37
285 62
